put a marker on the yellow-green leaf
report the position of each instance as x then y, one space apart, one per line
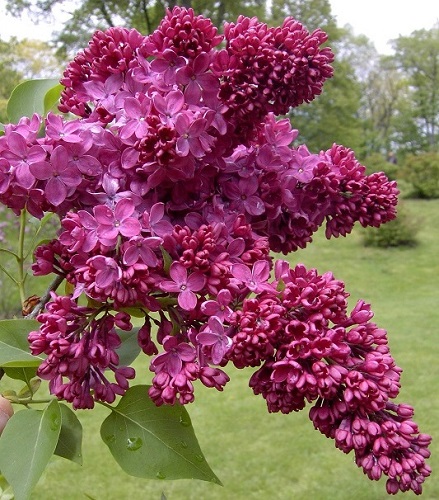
28 98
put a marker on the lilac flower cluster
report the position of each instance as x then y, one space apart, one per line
173 185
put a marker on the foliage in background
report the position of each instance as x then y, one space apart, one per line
400 232
312 13
35 59
384 92
422 171
418 56
333 118
9 77
376 162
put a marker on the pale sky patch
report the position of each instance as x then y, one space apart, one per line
383 20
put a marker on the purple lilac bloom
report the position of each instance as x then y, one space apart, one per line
111 223
183 284
254 279
61 177
215 338
219 307
173 184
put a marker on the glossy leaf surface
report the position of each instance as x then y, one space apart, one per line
154 442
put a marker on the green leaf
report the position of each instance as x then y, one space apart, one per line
129 349
70 438
51 98
30 389
167 260
154 442
41 224
28 98
11 395
26 445
5 490
24 374
14 347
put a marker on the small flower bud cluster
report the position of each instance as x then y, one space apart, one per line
81 348
173 183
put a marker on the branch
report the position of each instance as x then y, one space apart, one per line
46 297
104 11
146 16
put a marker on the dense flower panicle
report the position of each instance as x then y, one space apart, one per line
256 327
342 362
173 184
79 349
161 134
184 33
274 69
108 53
369 199
387 442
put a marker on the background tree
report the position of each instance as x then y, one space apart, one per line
89 15
9 76
385 94
333 116
35 59
417 56
312 13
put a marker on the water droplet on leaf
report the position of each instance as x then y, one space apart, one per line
134 444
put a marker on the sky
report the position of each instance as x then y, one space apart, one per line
384 20
379 20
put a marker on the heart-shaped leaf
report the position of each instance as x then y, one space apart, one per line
154 442
28 98
14 347
70 438
26 445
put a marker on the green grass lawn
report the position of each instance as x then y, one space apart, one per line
270 456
